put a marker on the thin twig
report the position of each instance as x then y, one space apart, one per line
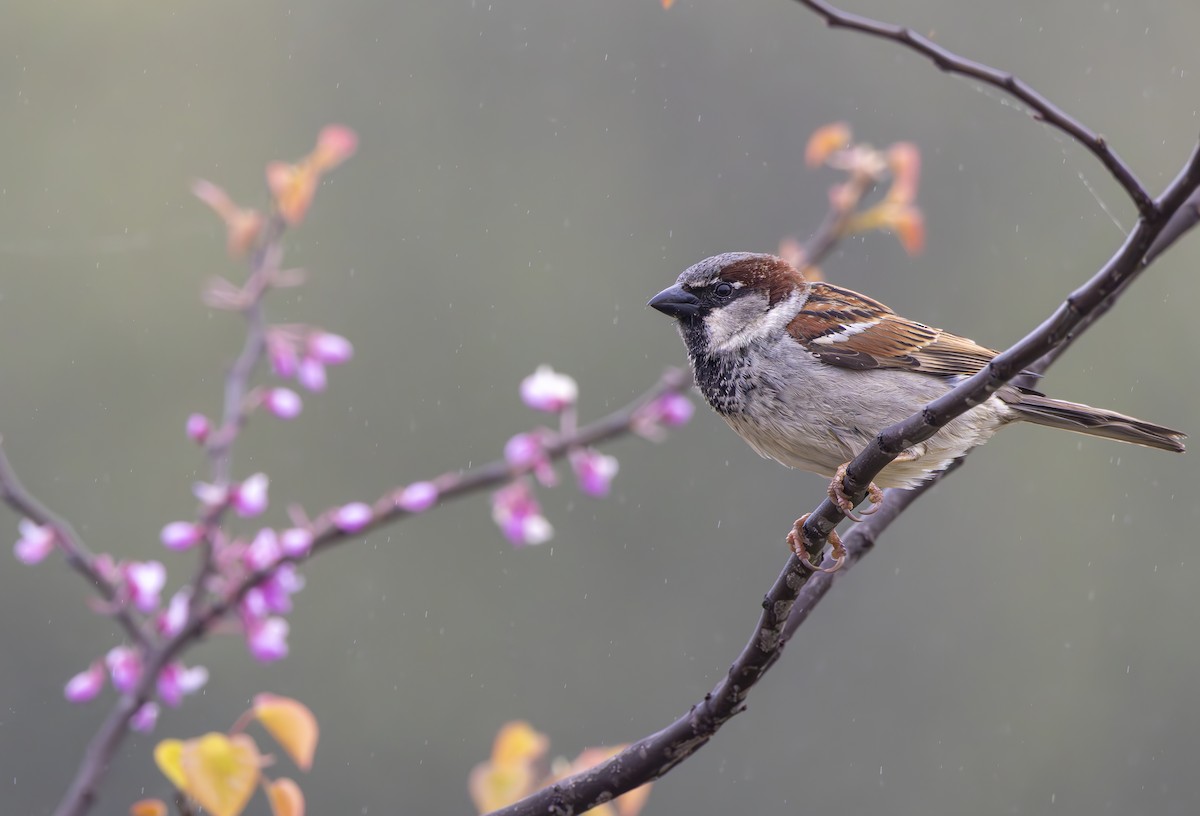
452 485
1043 108
264 265
76 553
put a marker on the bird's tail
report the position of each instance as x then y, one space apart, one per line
1073 416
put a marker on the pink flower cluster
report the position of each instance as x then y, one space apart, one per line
515 507
304 353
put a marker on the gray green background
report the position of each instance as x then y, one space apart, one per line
1023 641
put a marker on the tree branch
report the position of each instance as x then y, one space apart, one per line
796 591
82 792
1043 108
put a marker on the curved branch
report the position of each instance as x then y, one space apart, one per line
796 591
1043 109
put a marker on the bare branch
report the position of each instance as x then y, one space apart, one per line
1042 108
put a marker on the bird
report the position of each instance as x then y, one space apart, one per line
808 373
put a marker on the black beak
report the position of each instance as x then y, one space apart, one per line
675 302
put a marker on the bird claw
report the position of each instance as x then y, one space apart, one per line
837 494
795 540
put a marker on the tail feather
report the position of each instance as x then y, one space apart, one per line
1073 416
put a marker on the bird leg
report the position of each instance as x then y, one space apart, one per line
795 540
837 495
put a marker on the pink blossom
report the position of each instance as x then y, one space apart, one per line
515 509
210 495
282 354
267 639
669 410
277 591
264 551
594 471
172 620
250 497
283 403
417 497
525 451
176 680
547 390
125 666
145 718
311 374
181 535
329 349
296 542
35 543
198 428
254 605
674 409
144 581
85 685
351 518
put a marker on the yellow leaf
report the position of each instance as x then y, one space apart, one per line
292 725
493 786
517 741
286 798
168 755
148 807
221 772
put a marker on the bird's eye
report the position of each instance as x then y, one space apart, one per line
723 290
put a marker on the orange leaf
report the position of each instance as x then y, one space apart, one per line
214 197
909 224
292 725
286 798
826 141
293 186
242 226
221 772
667 3
168 755
905 162
335 144
148 807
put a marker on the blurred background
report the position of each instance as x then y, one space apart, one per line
1024 640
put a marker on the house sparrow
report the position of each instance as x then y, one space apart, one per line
808 374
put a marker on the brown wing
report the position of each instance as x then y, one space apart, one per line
844 328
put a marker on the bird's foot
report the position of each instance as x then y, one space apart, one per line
837 494
795 540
